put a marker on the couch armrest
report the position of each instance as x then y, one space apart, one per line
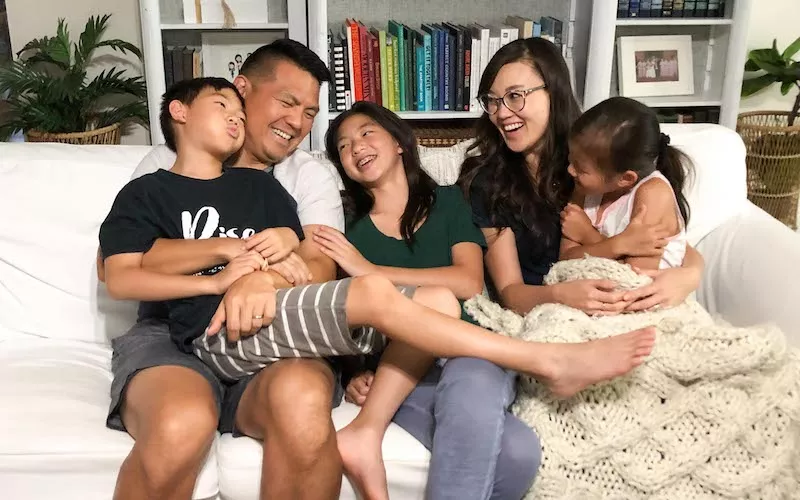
752 272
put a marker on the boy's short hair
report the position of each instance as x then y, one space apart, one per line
186 91
261 63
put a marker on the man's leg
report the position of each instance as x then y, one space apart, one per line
173 423
398 373
565 368
288 406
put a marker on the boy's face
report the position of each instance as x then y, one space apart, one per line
215 122
281 111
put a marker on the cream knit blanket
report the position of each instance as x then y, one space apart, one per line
713 413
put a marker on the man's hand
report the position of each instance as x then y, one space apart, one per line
358 388
274 244
248 305
240 266
293 269
575 224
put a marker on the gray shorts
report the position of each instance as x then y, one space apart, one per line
310 322
148 344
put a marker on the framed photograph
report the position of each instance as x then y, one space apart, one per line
225 51
655 65
213 11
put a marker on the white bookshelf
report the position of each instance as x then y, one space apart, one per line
162 24
325 14
719 47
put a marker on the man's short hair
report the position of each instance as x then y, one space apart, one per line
261 63
186 91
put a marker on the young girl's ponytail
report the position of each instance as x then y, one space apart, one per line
675 166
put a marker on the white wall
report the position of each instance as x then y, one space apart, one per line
28 19
772 19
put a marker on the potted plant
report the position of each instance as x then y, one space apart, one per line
773 137
51 98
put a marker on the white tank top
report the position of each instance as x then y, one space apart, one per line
617 216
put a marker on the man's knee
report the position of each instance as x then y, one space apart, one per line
292 404
438 298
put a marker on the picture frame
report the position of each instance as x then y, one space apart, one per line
213 11
225 51
650 66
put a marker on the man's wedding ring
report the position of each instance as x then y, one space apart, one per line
258 317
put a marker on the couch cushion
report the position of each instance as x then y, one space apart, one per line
55 444
58 195
406 463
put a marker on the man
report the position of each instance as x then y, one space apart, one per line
165 398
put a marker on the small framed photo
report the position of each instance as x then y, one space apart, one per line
655 65
224 52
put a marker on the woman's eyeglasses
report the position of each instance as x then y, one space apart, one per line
514 100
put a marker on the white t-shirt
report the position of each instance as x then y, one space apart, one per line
312 184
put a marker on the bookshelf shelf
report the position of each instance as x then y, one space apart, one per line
675 21
219 27
684 101
428 115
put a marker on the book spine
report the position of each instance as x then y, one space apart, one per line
467 69
355 57
677 8
623 6
656 7
376 70
420 49
428 60
366 64
390 72
384 66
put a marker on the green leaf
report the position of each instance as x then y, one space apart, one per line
786 87
90 38
768 60
750 65
791 50
753 85
121 46
133 111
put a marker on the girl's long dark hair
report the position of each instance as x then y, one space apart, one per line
356 198
509 190
624 134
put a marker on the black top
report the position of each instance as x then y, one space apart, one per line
237 204
537 248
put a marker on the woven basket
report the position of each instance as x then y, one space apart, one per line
105 135
773 163
443 137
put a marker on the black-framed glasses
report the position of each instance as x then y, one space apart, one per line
514 100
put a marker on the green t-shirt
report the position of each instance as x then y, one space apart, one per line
449 223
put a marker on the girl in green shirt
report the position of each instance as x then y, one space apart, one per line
402 226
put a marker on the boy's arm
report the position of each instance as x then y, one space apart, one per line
174 256
127 280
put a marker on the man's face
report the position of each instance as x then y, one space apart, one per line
280 112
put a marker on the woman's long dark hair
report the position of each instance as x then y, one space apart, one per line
356 198
510 192
624 134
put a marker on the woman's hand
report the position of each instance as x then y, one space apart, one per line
640 239
293 269
669 288
594 297
358 388
576 225
336 246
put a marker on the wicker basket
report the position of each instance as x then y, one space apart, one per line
773 163
442 137
105 135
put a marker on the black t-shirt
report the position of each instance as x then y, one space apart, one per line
537 251
237 204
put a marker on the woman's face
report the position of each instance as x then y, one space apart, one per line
367 151
521 130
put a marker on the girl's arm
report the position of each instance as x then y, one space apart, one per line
464 278
657 196
579 236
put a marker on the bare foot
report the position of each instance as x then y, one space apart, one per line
362 459
577 366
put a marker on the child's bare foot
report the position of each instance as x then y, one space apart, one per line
362 459
577 366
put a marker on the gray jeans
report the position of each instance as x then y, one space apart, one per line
479 450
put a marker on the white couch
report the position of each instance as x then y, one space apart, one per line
55 320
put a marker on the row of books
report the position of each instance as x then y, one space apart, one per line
670 8
684 115
436 67
182 63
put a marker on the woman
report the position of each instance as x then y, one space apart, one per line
518 184
402 226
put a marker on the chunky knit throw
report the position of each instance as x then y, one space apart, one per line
713 413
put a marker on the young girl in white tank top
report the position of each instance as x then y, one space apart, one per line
624 169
